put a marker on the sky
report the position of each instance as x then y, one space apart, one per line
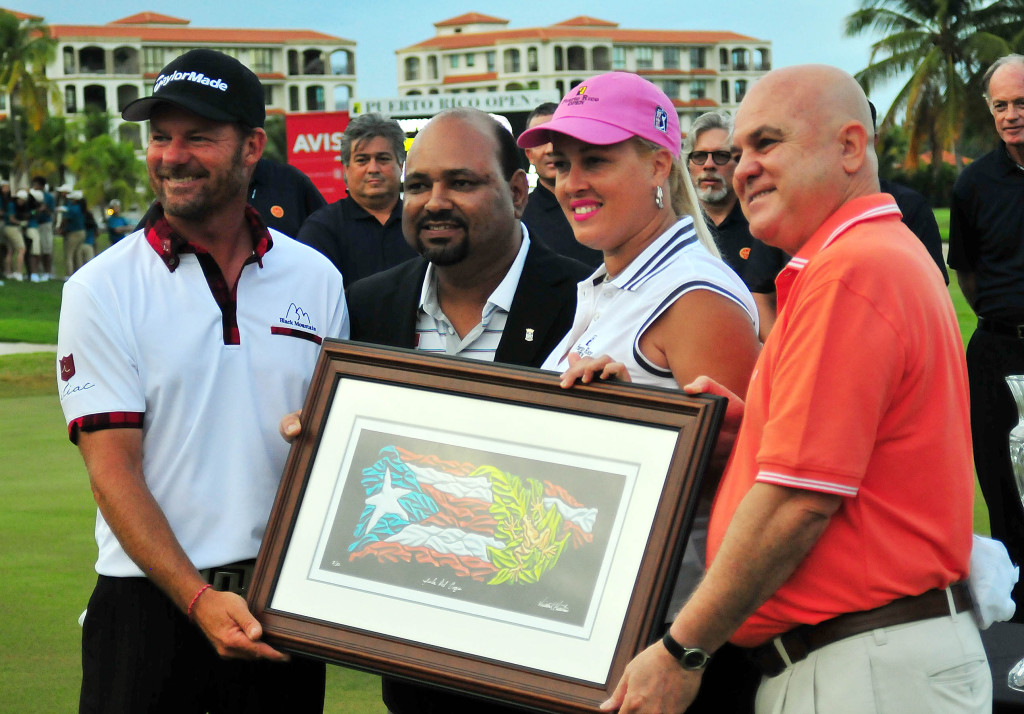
801 31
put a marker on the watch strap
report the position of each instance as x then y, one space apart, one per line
691 658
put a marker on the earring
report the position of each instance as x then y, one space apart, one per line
659 198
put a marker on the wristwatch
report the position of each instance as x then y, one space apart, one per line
690 658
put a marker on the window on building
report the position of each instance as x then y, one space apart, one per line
262 60
470 59
3 102
293 62
342 95
698 89
698 59
533 85
69 60
491 61
315 98
94 98
576 59
644 57
671 88
453 61
342 62
725 91
740 59
741 90
670 57
412 69
575 83
268 95
511 61
560 87
601 59
432 67
559 58
618 58
91 60
313 62
723 58
762 60
514 87
293 99
70 99
532 61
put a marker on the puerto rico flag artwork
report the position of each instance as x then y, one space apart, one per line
474 526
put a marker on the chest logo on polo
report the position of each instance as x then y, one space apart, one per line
296 323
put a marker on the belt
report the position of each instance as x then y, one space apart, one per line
233 578
780 652
1001 328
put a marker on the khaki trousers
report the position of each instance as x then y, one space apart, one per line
936 666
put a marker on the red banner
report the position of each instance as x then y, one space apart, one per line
313 148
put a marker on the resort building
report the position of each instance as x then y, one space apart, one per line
699 70
104 67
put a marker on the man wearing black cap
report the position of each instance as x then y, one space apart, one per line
178 352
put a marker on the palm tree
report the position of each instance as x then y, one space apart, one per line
942 44
25 48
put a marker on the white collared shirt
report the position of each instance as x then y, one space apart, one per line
435 333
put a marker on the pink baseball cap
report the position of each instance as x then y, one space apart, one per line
610 108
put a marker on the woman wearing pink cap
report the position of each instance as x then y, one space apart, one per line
664 308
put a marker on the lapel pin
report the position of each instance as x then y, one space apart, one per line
529 334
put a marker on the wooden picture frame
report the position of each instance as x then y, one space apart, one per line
476 527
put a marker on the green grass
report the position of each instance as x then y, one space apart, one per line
47 516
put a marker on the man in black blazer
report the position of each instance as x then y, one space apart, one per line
464 196
480 288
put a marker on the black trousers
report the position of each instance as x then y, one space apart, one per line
990 358
141 654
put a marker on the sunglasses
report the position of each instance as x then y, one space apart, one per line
721 158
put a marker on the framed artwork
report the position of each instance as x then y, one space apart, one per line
477 527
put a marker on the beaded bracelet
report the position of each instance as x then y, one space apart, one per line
194 599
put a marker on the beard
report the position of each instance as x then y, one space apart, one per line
713 195
209 199
450 253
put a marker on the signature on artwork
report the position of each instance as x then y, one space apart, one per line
443 584
555 605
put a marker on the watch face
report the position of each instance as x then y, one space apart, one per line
695 659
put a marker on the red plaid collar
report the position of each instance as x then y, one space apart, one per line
169 245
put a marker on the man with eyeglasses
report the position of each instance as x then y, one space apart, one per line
711 161
986 248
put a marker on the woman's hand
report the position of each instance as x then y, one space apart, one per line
584 369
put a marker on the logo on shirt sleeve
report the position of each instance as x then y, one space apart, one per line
67 367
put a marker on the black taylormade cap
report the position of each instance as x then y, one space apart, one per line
209 83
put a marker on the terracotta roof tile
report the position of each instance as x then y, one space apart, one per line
585 21
461 78
541 34
21 16
189 35
470 18
146 18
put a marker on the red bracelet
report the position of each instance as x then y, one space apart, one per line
193 603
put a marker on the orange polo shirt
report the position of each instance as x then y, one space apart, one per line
860 391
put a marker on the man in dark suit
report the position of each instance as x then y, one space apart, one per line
480 288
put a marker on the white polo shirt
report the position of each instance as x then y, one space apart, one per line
140 339
613 314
